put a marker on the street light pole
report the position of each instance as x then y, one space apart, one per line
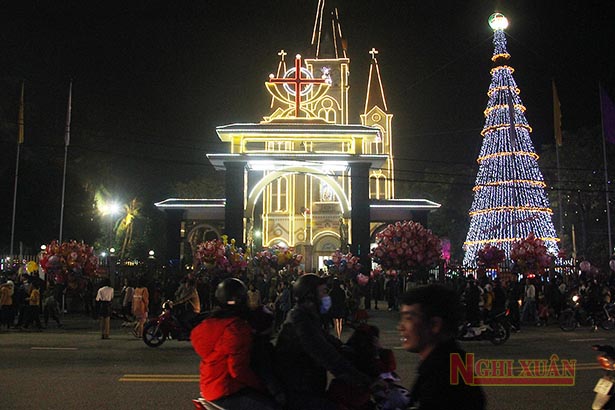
110 209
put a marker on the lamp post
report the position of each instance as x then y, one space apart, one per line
110 210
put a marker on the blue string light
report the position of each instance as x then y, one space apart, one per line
509 194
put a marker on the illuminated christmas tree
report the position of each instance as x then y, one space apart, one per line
509 195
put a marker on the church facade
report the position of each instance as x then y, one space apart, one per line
306 175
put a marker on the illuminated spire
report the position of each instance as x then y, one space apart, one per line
327 38
279 73
510 201
375 91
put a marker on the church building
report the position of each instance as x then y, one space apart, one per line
309 175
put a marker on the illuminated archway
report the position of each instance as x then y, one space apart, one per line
267 179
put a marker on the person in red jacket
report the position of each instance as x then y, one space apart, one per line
224 342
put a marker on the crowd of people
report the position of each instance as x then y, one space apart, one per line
24 298
268 343
533 300
242 368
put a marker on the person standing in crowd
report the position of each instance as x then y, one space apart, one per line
140 307
488 297
127 296
104 297
338 307
529 303
254 297
471 297
499 298
224 343
33 308
304 352
377 289
50 304
427 326
6 304
22 289
391 289
282 304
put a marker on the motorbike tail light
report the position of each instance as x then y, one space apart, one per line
507 312
606 363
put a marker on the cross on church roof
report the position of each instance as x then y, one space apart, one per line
298 81
373 52
282 54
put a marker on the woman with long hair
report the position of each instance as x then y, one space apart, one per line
140 303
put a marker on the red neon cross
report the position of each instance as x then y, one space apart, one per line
298 82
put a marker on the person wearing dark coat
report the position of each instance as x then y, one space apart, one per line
304 352
338 307
429 316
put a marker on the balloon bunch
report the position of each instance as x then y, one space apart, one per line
490 256
530 254
406 245
346 266
277 258
69 262
220 256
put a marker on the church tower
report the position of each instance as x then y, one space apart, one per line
376 114
331 63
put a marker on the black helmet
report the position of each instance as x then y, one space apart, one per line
232 293
306 287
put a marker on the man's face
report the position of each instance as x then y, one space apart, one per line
414 330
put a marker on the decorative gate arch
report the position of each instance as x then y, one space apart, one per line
269 178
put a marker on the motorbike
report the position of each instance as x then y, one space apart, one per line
604 388
496 329
165 326
202 404
575 316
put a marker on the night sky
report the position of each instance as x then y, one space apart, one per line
152 79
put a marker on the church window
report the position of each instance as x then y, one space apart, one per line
377 186
279 195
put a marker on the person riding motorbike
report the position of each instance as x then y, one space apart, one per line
187 303
223 341
304 352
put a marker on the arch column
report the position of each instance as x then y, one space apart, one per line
234 182
360 217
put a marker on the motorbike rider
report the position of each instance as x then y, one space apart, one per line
187 303
304 352
224 343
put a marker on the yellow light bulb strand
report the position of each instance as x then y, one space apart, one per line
510 182
511 209
503 154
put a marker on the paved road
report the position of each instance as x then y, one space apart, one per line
73 368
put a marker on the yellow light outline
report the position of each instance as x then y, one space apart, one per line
521 108
503 154
502 67
484 241
510 182
500 55
493 90
512 209
503 126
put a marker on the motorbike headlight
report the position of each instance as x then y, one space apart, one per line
575 298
